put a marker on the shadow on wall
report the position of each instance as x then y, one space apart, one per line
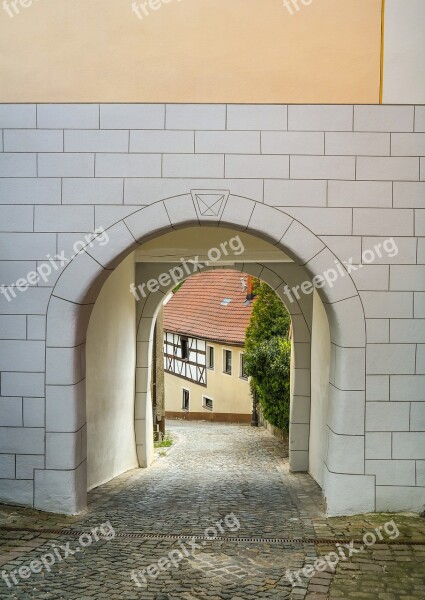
110 387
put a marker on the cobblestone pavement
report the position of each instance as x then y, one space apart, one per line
212 472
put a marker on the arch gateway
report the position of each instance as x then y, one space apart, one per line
267 170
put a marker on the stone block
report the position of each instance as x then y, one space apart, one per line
322 167
153 141
18 115
7 466
26 463
30 191
257 117
392 472
409 445
33 140
382 222
257 166
34 409
22 384
68 116
196 116
22 440
320 118
378 445
392 359
407 388
387 416
93 191
63 218
18 164
387 168
387 305
377 388
281 192
292 142
355 144
66 165
16 218
92 140
227 142
192 165
383 118
365 194
13 327
11 412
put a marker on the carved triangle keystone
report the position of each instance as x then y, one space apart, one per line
209 204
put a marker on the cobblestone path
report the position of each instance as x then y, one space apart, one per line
229 487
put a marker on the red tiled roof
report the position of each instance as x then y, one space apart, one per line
196 309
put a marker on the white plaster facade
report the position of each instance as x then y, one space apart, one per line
229 392
320 183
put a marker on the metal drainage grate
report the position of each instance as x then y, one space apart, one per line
170 537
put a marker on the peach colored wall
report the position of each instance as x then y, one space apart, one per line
191 51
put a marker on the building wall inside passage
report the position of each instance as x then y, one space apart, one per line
320 364
230 393
110 359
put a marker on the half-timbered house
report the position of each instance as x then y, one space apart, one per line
204 337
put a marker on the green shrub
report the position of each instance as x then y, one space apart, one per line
269 365
268 355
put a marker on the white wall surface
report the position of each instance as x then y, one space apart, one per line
356 178
320 359
111 359
404 52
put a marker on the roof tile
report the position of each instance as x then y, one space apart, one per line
196 309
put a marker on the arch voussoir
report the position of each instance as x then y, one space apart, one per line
80 282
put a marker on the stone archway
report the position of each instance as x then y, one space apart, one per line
301 316
62 486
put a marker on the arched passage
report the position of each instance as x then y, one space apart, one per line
62 487
301 316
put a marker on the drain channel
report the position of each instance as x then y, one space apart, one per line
171 537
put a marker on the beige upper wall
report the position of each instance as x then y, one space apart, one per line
191 51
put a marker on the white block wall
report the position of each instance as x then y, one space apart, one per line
351 176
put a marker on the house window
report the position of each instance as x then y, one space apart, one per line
207 403
185 348
210 351
185 399
227 362
243 374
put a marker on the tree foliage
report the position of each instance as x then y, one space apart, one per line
269 316
268 355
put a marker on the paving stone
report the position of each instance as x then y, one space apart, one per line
214 470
